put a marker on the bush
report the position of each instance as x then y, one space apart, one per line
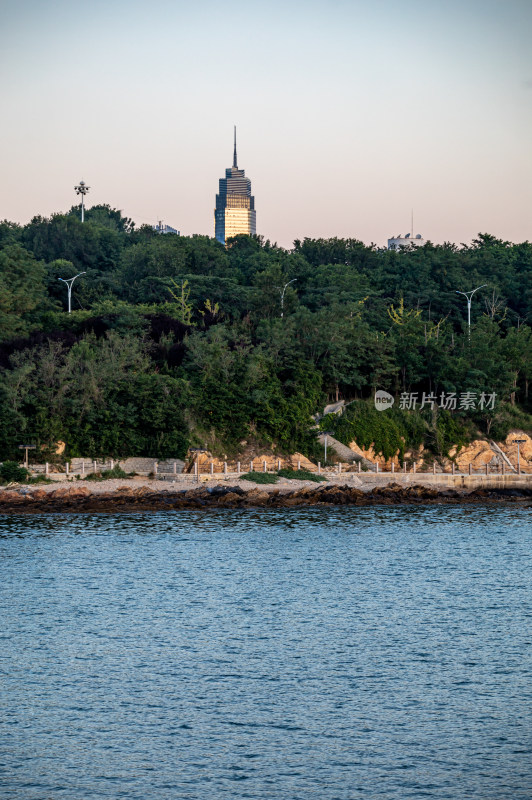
107 474
10 472
260 477
40 479
509 418
93 476
386 431
116 472
300 475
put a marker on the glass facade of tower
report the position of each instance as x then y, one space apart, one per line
235 206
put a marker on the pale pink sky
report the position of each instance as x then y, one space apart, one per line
349 113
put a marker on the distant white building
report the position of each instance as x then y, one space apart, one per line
163 228
408 240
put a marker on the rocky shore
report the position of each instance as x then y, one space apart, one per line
75 499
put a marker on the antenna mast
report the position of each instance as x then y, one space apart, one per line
234 154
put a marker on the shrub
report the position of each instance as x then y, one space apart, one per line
260 477
386 431
116 472
40 479
11 472
94 476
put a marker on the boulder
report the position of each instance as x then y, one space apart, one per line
256 497
230 498
10 497
70 493
39 494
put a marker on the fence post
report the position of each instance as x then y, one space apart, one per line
66 468
319 467
486 469
339 467
175 468
94 466
155 467
196 470
264 466
404 466
434 468
360 466
212 467
414 467
278 464
238 467
251 466
470 468
393 466
46 468
502 467
83 467
299 463
452 468
225 467
112 464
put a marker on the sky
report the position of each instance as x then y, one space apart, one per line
349 114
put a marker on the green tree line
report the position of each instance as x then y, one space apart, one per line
179 340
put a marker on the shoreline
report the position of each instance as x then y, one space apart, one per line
88 497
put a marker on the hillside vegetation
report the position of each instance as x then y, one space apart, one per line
178 341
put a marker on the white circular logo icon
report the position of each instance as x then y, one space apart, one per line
383 400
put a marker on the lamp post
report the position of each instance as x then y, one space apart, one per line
69 282
469 295
518 442
283 290
82 189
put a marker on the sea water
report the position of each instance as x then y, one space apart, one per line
336 653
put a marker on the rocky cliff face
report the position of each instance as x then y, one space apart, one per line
479 454
249 460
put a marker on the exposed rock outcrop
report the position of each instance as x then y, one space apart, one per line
478 454
143 498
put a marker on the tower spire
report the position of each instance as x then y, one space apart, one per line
234 153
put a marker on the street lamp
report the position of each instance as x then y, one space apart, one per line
69 282
283 290
518 442
82 189
469 295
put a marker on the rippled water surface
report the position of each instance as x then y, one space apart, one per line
304 653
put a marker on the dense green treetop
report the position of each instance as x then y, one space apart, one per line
178 339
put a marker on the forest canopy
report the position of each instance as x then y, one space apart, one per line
176 341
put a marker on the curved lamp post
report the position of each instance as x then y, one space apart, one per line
69 282
283 290
469 295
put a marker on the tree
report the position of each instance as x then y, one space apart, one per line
22 290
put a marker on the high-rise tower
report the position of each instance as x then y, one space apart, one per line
235 206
